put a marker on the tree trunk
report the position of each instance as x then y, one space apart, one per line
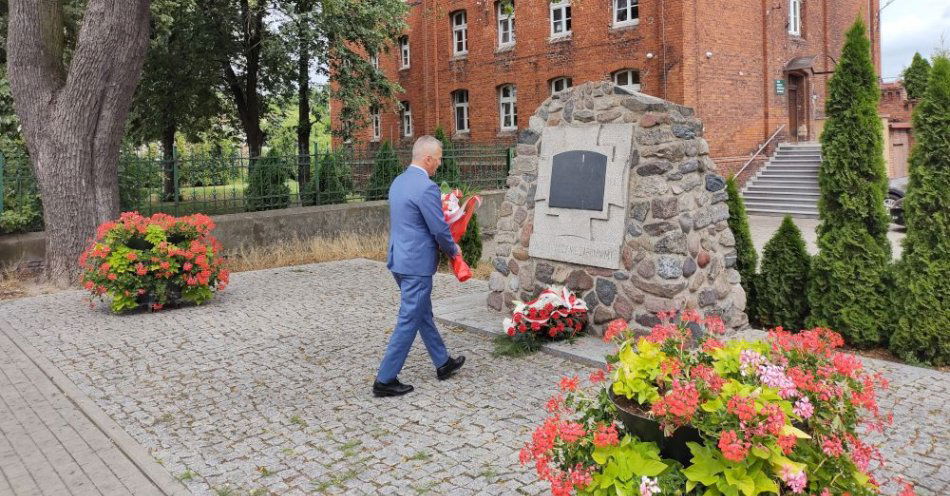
73 120
303 97
169 189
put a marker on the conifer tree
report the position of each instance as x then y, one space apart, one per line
916 76
849 288
747 258
385 169
923 279
783 279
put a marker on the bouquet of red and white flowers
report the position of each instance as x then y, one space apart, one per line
555 314
458 213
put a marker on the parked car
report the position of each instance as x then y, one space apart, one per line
894 202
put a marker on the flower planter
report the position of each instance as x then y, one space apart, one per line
636 422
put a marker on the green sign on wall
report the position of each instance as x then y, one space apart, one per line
779 86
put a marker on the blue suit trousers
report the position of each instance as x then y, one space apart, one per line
415 315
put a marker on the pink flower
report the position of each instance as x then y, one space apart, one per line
648 486
832 446
796 481
803 407
749 360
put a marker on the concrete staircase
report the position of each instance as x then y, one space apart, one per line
787 184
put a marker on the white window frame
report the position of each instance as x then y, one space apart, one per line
404 52
795 17
460 103
568 83
406 120
459 32
564 6
506 25
377 123
630 85
630 10
508 107
374 61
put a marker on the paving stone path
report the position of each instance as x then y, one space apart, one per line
53 443
266 390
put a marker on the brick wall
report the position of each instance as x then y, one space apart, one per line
732 90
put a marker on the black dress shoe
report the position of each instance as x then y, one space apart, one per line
446 371
391 388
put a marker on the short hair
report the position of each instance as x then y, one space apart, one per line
425 145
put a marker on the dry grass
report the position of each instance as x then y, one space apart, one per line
307 251
16 283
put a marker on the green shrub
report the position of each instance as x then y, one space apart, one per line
385 169
334 178
267 184
448 172
746 258
923 274
471 243
783 279
849 288
22 208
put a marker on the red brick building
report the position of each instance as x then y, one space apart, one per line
896 111
747 67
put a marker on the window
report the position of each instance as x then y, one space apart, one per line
377 123
795 17
374 61
626 12
560 18
507 107
460 105
404 51
506 23
406 120
560 84
628 79
459 33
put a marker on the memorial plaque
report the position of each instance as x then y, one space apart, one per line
578 178
579 215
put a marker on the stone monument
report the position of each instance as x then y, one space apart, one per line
613 195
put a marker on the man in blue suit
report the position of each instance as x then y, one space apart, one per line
417 229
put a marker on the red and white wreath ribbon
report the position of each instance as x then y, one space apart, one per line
458 214
563 303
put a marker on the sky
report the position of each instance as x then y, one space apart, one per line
909 26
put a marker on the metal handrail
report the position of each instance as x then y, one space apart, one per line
757 152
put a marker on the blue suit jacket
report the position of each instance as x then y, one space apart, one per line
417 225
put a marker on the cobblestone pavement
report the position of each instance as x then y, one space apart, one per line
49 446
267 388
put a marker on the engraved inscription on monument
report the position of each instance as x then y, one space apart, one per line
577 180
581 200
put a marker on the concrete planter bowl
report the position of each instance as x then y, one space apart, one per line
636 422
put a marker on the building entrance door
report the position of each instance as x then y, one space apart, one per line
797 107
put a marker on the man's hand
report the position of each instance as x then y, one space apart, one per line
458 249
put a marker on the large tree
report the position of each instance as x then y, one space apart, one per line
916 76
923 276
849 289
73 112
255 60
180 87
347 34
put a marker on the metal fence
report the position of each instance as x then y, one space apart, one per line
219 184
